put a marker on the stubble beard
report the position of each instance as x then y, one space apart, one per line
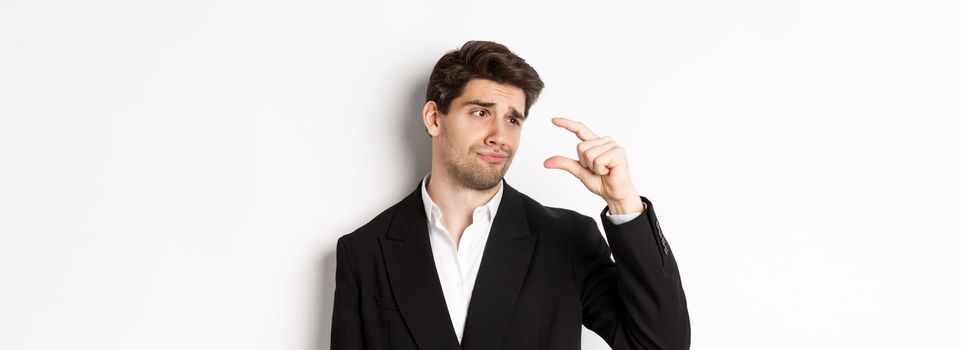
470 171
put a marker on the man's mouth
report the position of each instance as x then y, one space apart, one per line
492 157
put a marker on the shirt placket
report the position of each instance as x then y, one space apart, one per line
457 308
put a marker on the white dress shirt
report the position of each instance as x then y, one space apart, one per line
457 266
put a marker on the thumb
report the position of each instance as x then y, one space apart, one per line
572 166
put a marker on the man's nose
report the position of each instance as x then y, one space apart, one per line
495 134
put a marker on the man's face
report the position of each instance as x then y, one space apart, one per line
480 133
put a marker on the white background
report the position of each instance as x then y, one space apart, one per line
174 174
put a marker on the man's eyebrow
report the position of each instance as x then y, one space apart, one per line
513 112
479 103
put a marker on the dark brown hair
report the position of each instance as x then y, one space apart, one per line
481 60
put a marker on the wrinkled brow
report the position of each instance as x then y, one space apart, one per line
513 112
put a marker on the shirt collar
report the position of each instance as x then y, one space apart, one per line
433 211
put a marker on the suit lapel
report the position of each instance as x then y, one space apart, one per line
413 277
417 290
503 268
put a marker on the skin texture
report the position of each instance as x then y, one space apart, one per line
487 118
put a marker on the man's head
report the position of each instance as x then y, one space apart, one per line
478 98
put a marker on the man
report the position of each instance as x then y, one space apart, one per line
468 262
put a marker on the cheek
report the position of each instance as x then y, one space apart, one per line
515 137
464 141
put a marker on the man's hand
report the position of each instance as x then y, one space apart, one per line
601 166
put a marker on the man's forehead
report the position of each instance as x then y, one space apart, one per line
502 95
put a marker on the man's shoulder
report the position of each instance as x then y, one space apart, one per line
539 213
372 230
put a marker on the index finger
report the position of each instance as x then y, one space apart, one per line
576 127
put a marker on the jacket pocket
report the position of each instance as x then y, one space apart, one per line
396 335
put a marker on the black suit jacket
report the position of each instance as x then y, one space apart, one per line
544 272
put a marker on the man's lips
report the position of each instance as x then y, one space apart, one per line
492 157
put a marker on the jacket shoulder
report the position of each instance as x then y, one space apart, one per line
370 231
541 214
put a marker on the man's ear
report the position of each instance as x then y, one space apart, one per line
431 118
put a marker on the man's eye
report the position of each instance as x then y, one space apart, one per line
515 121
480 113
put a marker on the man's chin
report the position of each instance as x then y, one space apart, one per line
482 175
485 181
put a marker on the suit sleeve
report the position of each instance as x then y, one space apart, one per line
637 302
346 328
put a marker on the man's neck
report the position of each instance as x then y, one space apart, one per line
455 199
